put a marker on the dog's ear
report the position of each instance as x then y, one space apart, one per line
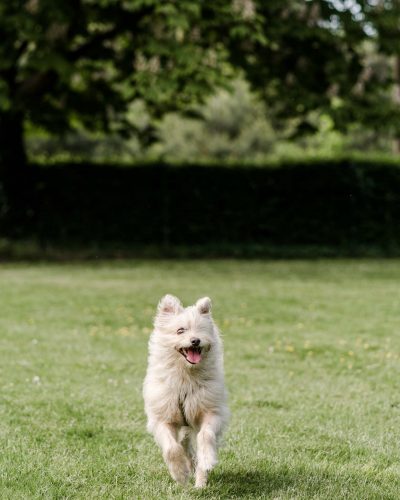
169 304
204 305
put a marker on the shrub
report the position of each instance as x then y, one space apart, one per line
337 204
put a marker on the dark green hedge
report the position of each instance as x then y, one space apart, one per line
332 204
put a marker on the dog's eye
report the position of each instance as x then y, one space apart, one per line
180 331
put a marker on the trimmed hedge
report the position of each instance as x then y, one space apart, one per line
329 204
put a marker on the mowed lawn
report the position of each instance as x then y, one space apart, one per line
312 361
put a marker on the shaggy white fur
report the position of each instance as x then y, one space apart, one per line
184 392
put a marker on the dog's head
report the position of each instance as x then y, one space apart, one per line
189 331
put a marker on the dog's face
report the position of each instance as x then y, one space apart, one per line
189 331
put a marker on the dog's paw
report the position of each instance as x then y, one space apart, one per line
207 461
201 478
178 464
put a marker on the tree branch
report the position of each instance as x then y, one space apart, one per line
36 84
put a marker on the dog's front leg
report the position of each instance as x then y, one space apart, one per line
173 452
207 447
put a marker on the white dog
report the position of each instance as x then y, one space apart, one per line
184 393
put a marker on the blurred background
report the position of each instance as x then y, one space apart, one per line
217 128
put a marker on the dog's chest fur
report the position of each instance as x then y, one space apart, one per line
186 398
190 402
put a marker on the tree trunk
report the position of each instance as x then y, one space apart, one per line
396 99
12 148
16 189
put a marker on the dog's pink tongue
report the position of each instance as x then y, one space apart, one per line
193 356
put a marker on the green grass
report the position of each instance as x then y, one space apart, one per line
312 366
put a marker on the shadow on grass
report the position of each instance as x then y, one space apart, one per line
271 482
251 483
297 482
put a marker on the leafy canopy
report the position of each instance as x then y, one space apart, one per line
83 61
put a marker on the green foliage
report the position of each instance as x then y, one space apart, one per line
232 125
81 66
83 146
331 56
83 62
311 363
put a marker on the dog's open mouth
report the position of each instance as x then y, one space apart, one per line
192 354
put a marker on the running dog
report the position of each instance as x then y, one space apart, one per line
184 391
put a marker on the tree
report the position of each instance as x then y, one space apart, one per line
64 63
309 58
81 62
383 20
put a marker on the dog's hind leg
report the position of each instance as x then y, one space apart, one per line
173 452
207 447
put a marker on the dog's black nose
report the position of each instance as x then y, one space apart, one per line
195 341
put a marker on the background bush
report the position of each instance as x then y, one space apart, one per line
232 124
336 204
